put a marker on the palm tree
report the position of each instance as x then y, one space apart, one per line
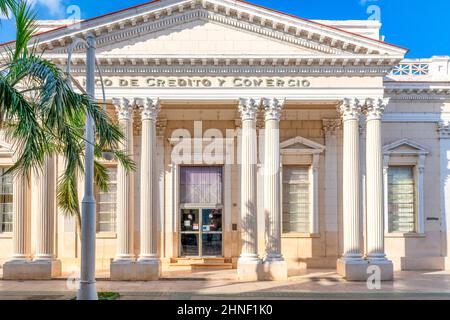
43 116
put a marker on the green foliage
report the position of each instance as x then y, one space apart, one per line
108 295
43 116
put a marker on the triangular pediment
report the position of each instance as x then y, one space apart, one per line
404 147
202 38
301 145
6 149
231 26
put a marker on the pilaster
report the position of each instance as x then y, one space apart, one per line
444 142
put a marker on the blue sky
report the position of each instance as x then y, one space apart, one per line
421 26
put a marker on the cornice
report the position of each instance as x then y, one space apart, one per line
235 14
302 60
414 93
235 70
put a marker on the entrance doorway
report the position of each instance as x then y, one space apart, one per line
201 211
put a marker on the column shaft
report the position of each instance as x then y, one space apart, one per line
374 182
21 219
331 186
272 183
149 192
248 218
125 249
351 183
44 207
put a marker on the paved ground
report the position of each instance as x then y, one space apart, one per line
318 284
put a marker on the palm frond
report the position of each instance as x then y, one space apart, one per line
44 116
25 18
6 6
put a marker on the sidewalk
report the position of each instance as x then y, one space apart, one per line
314 284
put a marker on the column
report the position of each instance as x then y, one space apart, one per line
444 135
21 219
44 266
374 109
249 262
275 268
125 249
351 265
15 268
148 257
44 207
330 126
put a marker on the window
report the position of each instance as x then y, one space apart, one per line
107 204
401 199
6 198
404 192
201 185
296 199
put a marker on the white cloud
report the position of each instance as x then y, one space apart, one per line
55 7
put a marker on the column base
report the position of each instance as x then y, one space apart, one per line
249 270
31 270
360 269
386 268
275 270
353 269
447 263
144 270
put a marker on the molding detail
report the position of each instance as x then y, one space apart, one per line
311 147
234 69
415 148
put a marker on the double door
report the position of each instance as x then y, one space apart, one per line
201 232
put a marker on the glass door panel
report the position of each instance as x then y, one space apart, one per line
189 245
211 220
212 232
212 244
190 220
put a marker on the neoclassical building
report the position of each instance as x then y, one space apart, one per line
264 142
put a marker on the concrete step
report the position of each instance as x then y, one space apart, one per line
214 266
189 261
201 263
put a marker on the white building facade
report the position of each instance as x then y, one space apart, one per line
263 142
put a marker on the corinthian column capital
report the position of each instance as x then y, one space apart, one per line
248 108
444 129
350 109
150 109
124 108
273 108
330 126
374 108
